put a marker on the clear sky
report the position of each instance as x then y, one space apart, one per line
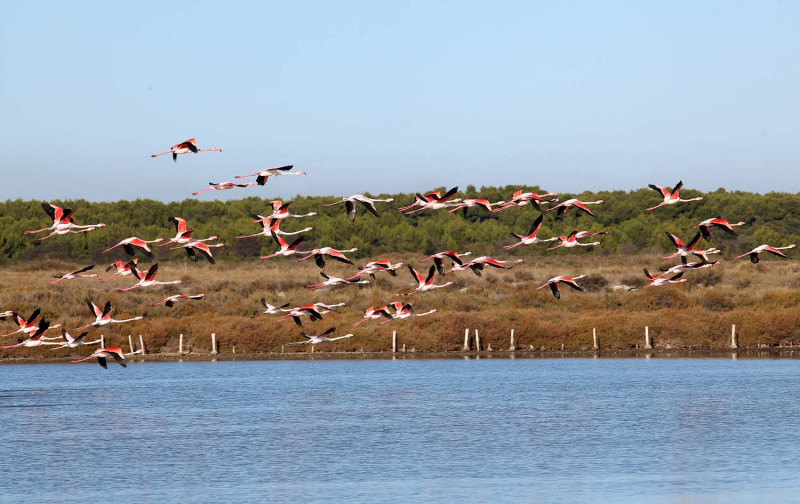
397 96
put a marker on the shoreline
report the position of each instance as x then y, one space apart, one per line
673 353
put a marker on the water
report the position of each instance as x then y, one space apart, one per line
525 430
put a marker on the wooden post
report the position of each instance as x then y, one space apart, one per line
594 339
234 349
394 341
734 341
477 341
647 343
466 341
130 342
404 348
180 344
512 347
214 350
141 344
102 341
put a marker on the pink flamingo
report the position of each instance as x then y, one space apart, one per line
313 340
181 232
104 353
680 268
26 326
553 283
285 248
531 237
319 255
435 202
62 223
685 250
718 223
421 199
222 186
195 246
350 205
574 203
425 283
754 254
36 339
295 314
122 269
269 226
656 281
468 203
407 311
373 313
373 267
670 196
70 342
103 317
74 274
262 176
438 259
185 148
172 300
128 245
520 198
270 309
572 241
330 280
280 210
146 279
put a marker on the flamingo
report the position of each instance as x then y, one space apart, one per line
327 308
477 265
438 259
572 241
6 314
103 317
194 246
754 254
407 311
425 283
319 255
520 198
185 148
350 204
122 269
656 281
421 199
36 339
683 250
262 176
146 279
670 196
553 283
222 186
531 237
70 342
717 222
329 280
296 313
280 210
285 248
181 232
62 223
270 226
584 234
270 309
373 313
468 203
373 267
574 203
172 300
679 268
434 201
313 340
128 245
26 326
103 353
74 274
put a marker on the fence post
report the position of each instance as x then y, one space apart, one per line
130 342
465 348
180 344
594 339
141 344
394 342
477 341
102 341
734 340
647 343
513 347
214 350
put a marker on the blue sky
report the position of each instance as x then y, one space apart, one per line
397 96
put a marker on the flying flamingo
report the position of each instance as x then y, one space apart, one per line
572 241
172 300
373 267
520 198
670 196
373 313
103 317
313 340
570 203
478 264
717 222
683 250
122 269
146 279
62 223
295 314
262 176
285 248
26 326
584 234
269 226
185 148
327 308
181 232
128 245
679 268
407 311
531 237
330 280
425 283
438 259
350 204
280 210
659 280
553 283
70 342
222 186
73 275
421 199
754 254
468 203
103 353
195 246
36 339
434 201
319 255
270 309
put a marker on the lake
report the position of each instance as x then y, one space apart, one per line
505 430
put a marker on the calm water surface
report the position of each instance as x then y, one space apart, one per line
525 430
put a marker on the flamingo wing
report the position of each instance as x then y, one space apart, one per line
535 226
370 207
676 189
554 289
663 191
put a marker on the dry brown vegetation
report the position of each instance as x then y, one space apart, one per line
761 299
